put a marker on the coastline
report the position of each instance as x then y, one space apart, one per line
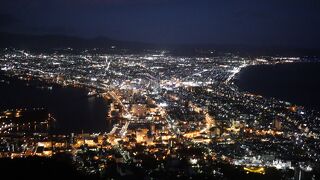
249 80
61 101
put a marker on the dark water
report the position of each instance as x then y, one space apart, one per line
298 83
71 107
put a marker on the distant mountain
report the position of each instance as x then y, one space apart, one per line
25 41
46 42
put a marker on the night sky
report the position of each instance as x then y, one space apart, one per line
285 23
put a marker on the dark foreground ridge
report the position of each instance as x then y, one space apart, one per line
40 168
61 167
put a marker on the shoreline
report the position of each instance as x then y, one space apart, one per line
248 88
63 101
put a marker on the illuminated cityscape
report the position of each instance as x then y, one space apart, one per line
172 117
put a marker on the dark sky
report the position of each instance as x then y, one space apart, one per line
288 23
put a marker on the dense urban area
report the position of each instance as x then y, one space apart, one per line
173 117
